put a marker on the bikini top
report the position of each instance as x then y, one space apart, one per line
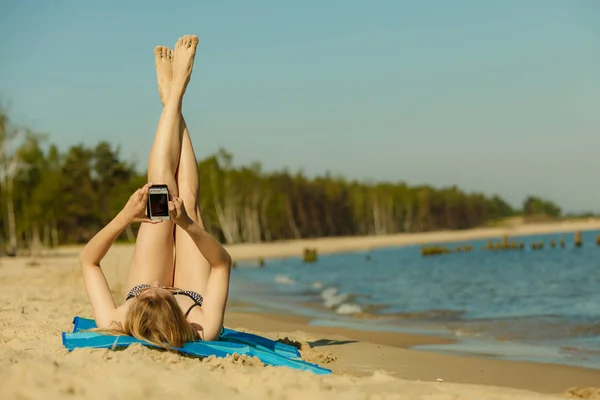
197 298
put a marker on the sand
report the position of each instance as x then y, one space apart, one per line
38 299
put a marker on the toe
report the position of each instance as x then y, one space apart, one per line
194 40
179 43
164 52
157 51
170 54
186 41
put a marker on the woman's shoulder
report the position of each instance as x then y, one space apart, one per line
118 315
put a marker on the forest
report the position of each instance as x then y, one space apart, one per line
50 197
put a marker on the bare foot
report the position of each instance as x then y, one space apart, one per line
183 63
164 70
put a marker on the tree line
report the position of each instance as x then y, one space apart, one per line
50 197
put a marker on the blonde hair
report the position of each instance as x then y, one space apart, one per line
155 317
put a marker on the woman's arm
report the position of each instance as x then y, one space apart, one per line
96 286
217 287
211 249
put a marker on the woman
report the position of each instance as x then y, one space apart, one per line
177 253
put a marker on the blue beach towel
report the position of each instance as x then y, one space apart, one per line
268 351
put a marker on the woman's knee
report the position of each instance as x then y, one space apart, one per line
190 203
165 179
188 193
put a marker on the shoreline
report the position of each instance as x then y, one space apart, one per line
427 342
423 337
428 366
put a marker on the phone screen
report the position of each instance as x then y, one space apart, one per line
159 204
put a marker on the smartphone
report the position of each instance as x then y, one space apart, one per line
158 202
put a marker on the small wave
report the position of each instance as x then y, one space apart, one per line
284 280
317 285
532 329
348 309
468 333
333 298
580 351
340 303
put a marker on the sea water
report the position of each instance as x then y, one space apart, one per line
534 305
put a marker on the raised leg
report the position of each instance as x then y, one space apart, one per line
153 260
191 268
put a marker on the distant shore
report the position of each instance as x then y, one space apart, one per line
291 248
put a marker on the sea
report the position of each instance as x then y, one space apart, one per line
530 305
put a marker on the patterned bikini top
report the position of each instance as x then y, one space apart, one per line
136 290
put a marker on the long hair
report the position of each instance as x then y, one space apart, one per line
156 318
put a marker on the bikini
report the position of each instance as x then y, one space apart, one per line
136 290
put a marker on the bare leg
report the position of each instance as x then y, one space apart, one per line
191 268
153 255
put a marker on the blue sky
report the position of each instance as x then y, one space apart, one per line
494 96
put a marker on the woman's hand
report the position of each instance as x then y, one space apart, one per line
135 209
178 212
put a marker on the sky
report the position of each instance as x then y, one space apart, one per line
492 96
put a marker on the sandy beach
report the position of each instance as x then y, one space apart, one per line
38 299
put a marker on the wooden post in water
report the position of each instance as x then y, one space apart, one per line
309 255
598 240
578 242
505 242
537 246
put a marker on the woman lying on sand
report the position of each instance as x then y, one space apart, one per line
154 309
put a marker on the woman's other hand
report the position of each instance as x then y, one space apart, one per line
135 209
178 213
